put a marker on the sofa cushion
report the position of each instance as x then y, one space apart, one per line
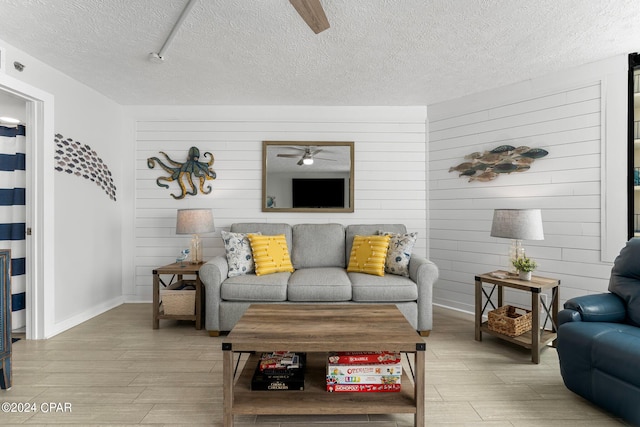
318 245
319 284
399 253
366 230
238 250
266 228
625 279
249 287
368 254
368 288
270 254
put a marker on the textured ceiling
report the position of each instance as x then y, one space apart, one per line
377 52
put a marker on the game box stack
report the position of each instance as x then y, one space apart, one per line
364 372
279 370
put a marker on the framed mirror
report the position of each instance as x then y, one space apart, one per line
307 176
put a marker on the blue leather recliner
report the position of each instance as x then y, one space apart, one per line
599 340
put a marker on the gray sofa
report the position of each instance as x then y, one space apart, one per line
320 254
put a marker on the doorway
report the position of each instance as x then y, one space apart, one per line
13 116
40 284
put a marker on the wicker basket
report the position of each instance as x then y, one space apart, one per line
509 320
179 301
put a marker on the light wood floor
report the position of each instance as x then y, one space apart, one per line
116 370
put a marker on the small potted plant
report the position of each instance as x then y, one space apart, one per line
524 266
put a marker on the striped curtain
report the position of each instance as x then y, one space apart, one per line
13 215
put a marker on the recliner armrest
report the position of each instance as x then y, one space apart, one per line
568 315
605 307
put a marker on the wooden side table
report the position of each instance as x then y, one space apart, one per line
178 269
538 337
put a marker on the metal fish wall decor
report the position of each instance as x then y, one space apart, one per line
80 160
488 165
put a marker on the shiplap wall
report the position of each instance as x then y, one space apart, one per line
390 171
565 118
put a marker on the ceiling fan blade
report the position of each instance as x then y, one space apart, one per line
322 158
300 163
312 13
288 155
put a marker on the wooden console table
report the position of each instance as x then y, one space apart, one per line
178 269
538 337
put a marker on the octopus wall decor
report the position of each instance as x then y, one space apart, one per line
488 165
186 171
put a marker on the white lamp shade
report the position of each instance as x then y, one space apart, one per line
520 224
194 221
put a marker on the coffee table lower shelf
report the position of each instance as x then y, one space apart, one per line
314 399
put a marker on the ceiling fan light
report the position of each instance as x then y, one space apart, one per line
307 161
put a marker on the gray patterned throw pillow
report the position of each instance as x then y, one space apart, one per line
399 253
239 256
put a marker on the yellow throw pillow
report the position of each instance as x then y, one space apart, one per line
368 254
270 254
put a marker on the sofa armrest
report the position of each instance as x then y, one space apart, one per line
212 274
605 307
424 273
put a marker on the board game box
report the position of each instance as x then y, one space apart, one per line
377 357
363 379
385 369
363 388
364 372
279 371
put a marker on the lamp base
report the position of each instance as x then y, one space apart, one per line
515 251
195 251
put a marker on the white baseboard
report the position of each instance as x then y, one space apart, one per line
461 312
84 316
136 299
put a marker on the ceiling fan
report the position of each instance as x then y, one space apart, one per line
310 10
307 157
312 13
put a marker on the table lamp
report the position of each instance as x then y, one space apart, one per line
518 225
195 221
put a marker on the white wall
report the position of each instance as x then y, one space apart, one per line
390 172
106 249
579 117
87 222
12 106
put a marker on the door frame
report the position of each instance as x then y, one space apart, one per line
40 286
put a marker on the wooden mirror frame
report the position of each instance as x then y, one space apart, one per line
267 144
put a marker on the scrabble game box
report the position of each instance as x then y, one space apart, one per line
378 357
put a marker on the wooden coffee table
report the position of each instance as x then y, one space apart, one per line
316 329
